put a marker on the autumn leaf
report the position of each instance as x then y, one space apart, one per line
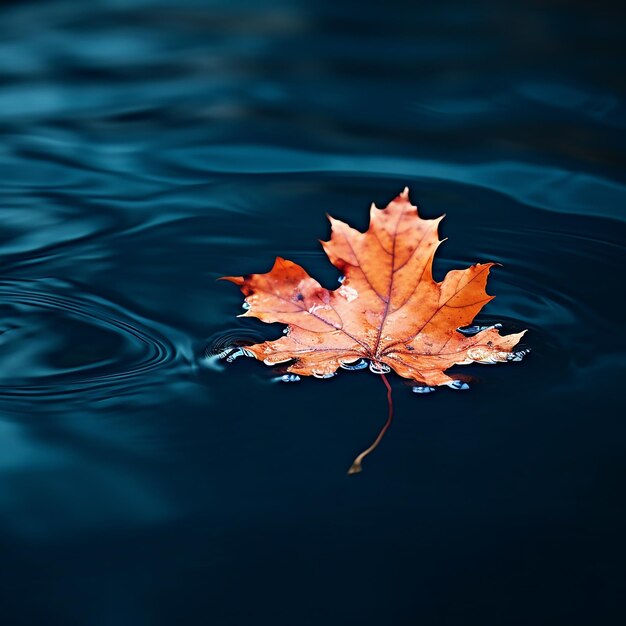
388 310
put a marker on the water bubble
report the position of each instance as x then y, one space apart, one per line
359 364
379 368
289 378
245 306
468 331
422 389
458 385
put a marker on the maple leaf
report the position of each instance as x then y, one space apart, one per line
388 309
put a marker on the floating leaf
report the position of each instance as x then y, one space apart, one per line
388 309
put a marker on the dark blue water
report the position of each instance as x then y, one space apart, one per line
151 147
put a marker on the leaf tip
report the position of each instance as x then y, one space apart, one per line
279 263
238 280
521 333
332 220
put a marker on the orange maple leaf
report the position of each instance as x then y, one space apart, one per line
388 309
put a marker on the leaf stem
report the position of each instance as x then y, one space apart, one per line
356 466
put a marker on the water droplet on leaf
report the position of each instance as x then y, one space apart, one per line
359 364
330 375
422 389
469 331
458 385
379 368
518 355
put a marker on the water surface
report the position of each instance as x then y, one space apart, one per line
149 148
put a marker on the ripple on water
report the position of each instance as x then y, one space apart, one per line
542 186
56 341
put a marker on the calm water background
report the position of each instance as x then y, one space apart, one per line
150 147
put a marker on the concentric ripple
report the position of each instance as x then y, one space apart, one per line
55 340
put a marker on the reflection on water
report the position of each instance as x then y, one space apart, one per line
150 147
